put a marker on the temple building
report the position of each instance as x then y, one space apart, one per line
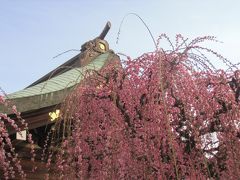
40 102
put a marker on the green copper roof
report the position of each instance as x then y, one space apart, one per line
54 90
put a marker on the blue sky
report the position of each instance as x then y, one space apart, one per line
32 32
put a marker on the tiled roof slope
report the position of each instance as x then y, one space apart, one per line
54 90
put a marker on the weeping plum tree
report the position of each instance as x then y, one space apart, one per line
169 114
165 115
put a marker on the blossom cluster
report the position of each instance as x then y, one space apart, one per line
165 115
10 163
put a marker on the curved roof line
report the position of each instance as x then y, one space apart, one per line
54 90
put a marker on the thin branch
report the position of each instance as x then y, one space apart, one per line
65 52
149 31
